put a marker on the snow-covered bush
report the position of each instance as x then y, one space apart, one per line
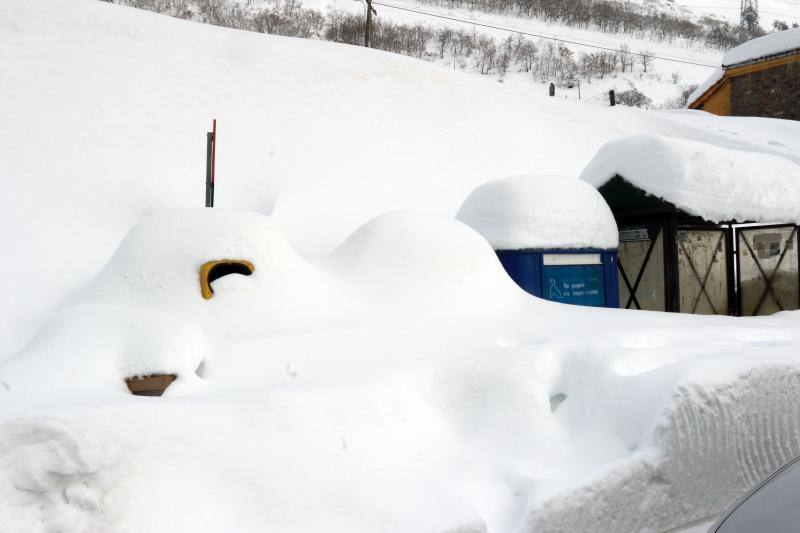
633 98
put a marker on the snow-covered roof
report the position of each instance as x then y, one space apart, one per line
762 47
768 45
705 86
715 183
540 212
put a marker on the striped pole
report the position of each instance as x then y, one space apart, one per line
211 154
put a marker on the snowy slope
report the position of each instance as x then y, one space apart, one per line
373 374
657 83
728 10
305 135
769 10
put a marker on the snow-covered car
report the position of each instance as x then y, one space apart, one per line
773 506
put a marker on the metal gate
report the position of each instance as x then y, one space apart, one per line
641 268
702 271
767 269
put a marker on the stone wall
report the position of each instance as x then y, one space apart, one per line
773 92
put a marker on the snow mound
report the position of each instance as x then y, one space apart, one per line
157 266
768 45
425 258
419 259
540 212
717 184
99 346
160 258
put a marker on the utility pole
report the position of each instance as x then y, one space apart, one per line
368 26
748 19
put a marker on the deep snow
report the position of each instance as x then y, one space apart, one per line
378 371
305 135
339 394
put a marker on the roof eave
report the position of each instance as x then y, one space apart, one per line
700 100
762 59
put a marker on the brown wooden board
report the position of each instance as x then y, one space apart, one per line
153 385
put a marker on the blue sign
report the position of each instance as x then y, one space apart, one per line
574 284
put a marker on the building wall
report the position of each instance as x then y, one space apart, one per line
719 103
772 92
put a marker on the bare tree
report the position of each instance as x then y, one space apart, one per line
646 59
527 55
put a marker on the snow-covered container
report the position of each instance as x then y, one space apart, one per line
554 235
702 229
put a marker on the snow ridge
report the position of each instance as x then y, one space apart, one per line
751 421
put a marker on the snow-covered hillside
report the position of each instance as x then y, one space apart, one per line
769 10
662 81
378 371
651 53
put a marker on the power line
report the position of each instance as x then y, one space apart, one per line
541 36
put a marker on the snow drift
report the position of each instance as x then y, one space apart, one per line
405 358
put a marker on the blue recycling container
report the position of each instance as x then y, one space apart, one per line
579 277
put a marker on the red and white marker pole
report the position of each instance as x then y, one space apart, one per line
211 159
